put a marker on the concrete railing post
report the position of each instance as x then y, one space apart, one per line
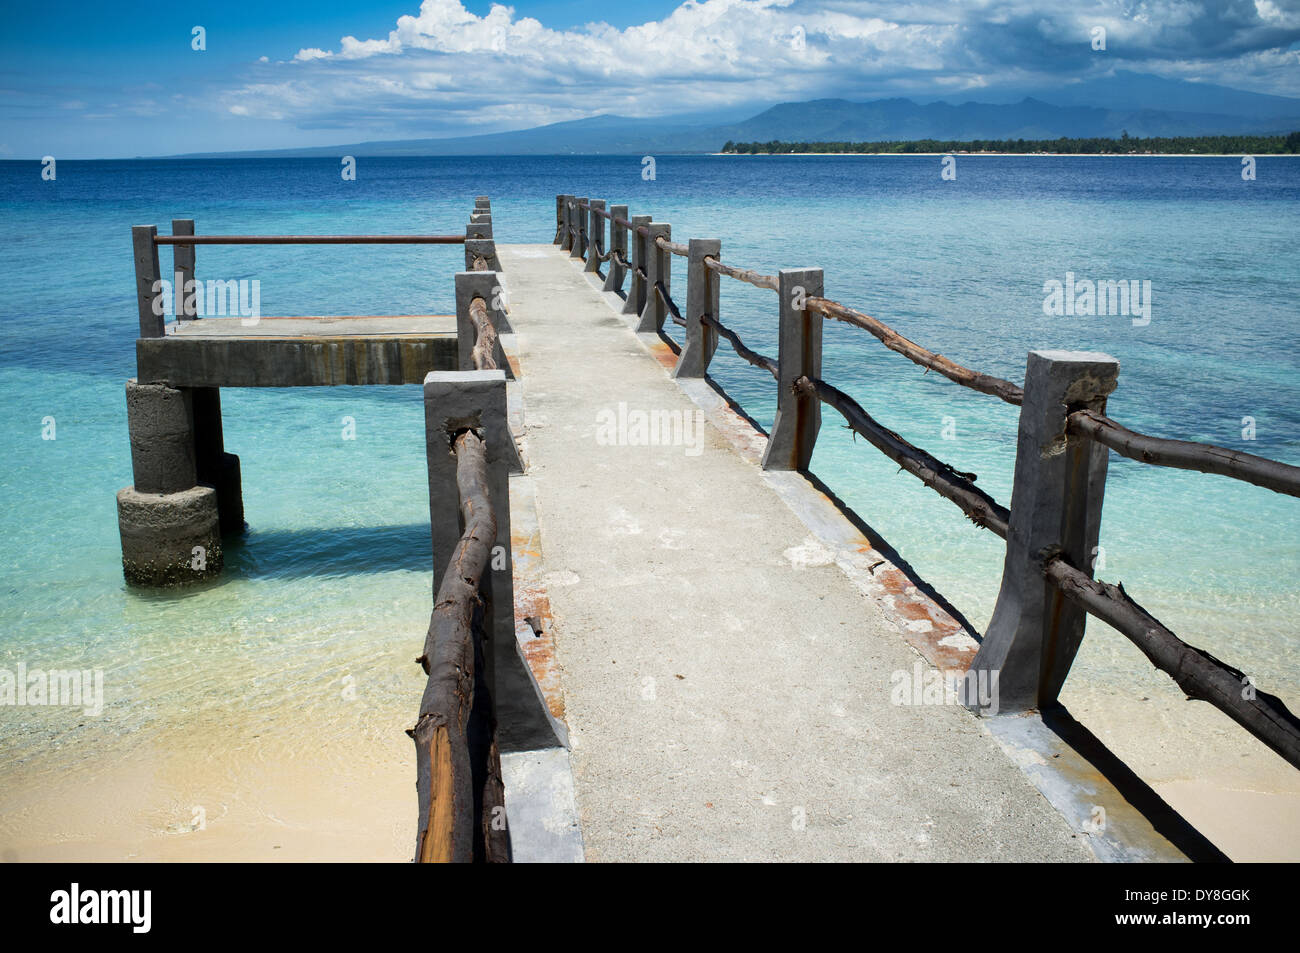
636 295
573 223
658 270
169 525
562 233
148 291
478 230
1055 509
485 285
483 202
702 297
579 247
617 242
455 401
798 415
183 271
484 248
595 235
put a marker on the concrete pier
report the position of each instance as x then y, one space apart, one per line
693 648
726 684
187 489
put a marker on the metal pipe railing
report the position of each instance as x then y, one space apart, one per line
309 239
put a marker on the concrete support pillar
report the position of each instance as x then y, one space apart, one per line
579 248
482 201
798 415
147 290
636 295
595 235
1055 509
215 467
481 216
614 272
478 230
169 526
455 401
658 270
562 220
702 298
183 270
484 248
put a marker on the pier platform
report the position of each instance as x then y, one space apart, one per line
299 352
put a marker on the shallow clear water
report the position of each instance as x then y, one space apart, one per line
332 579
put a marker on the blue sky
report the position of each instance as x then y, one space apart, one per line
107 80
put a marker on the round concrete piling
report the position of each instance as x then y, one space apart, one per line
169 539
161 424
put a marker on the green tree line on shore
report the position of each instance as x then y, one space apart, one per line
1126 145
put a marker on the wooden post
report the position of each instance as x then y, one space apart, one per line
183 269
702 298
562 220
618 242
579 247
595 235
658 269
148 292
798 415
1055 510
636 295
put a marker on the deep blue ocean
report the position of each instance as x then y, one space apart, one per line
333 575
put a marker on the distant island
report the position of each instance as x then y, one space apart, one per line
1125 145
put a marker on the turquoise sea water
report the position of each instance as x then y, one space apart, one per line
332 579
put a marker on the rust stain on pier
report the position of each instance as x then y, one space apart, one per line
533 621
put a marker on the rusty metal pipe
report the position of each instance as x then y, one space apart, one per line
309 240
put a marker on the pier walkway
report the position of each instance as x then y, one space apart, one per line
726 684
655 634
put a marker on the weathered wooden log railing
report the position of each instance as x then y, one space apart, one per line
1200 675
1053 524
480 699
485 339
480 321
753 357
458 763
742 274
1185 454
951 484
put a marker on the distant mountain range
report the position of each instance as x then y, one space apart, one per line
1126 102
